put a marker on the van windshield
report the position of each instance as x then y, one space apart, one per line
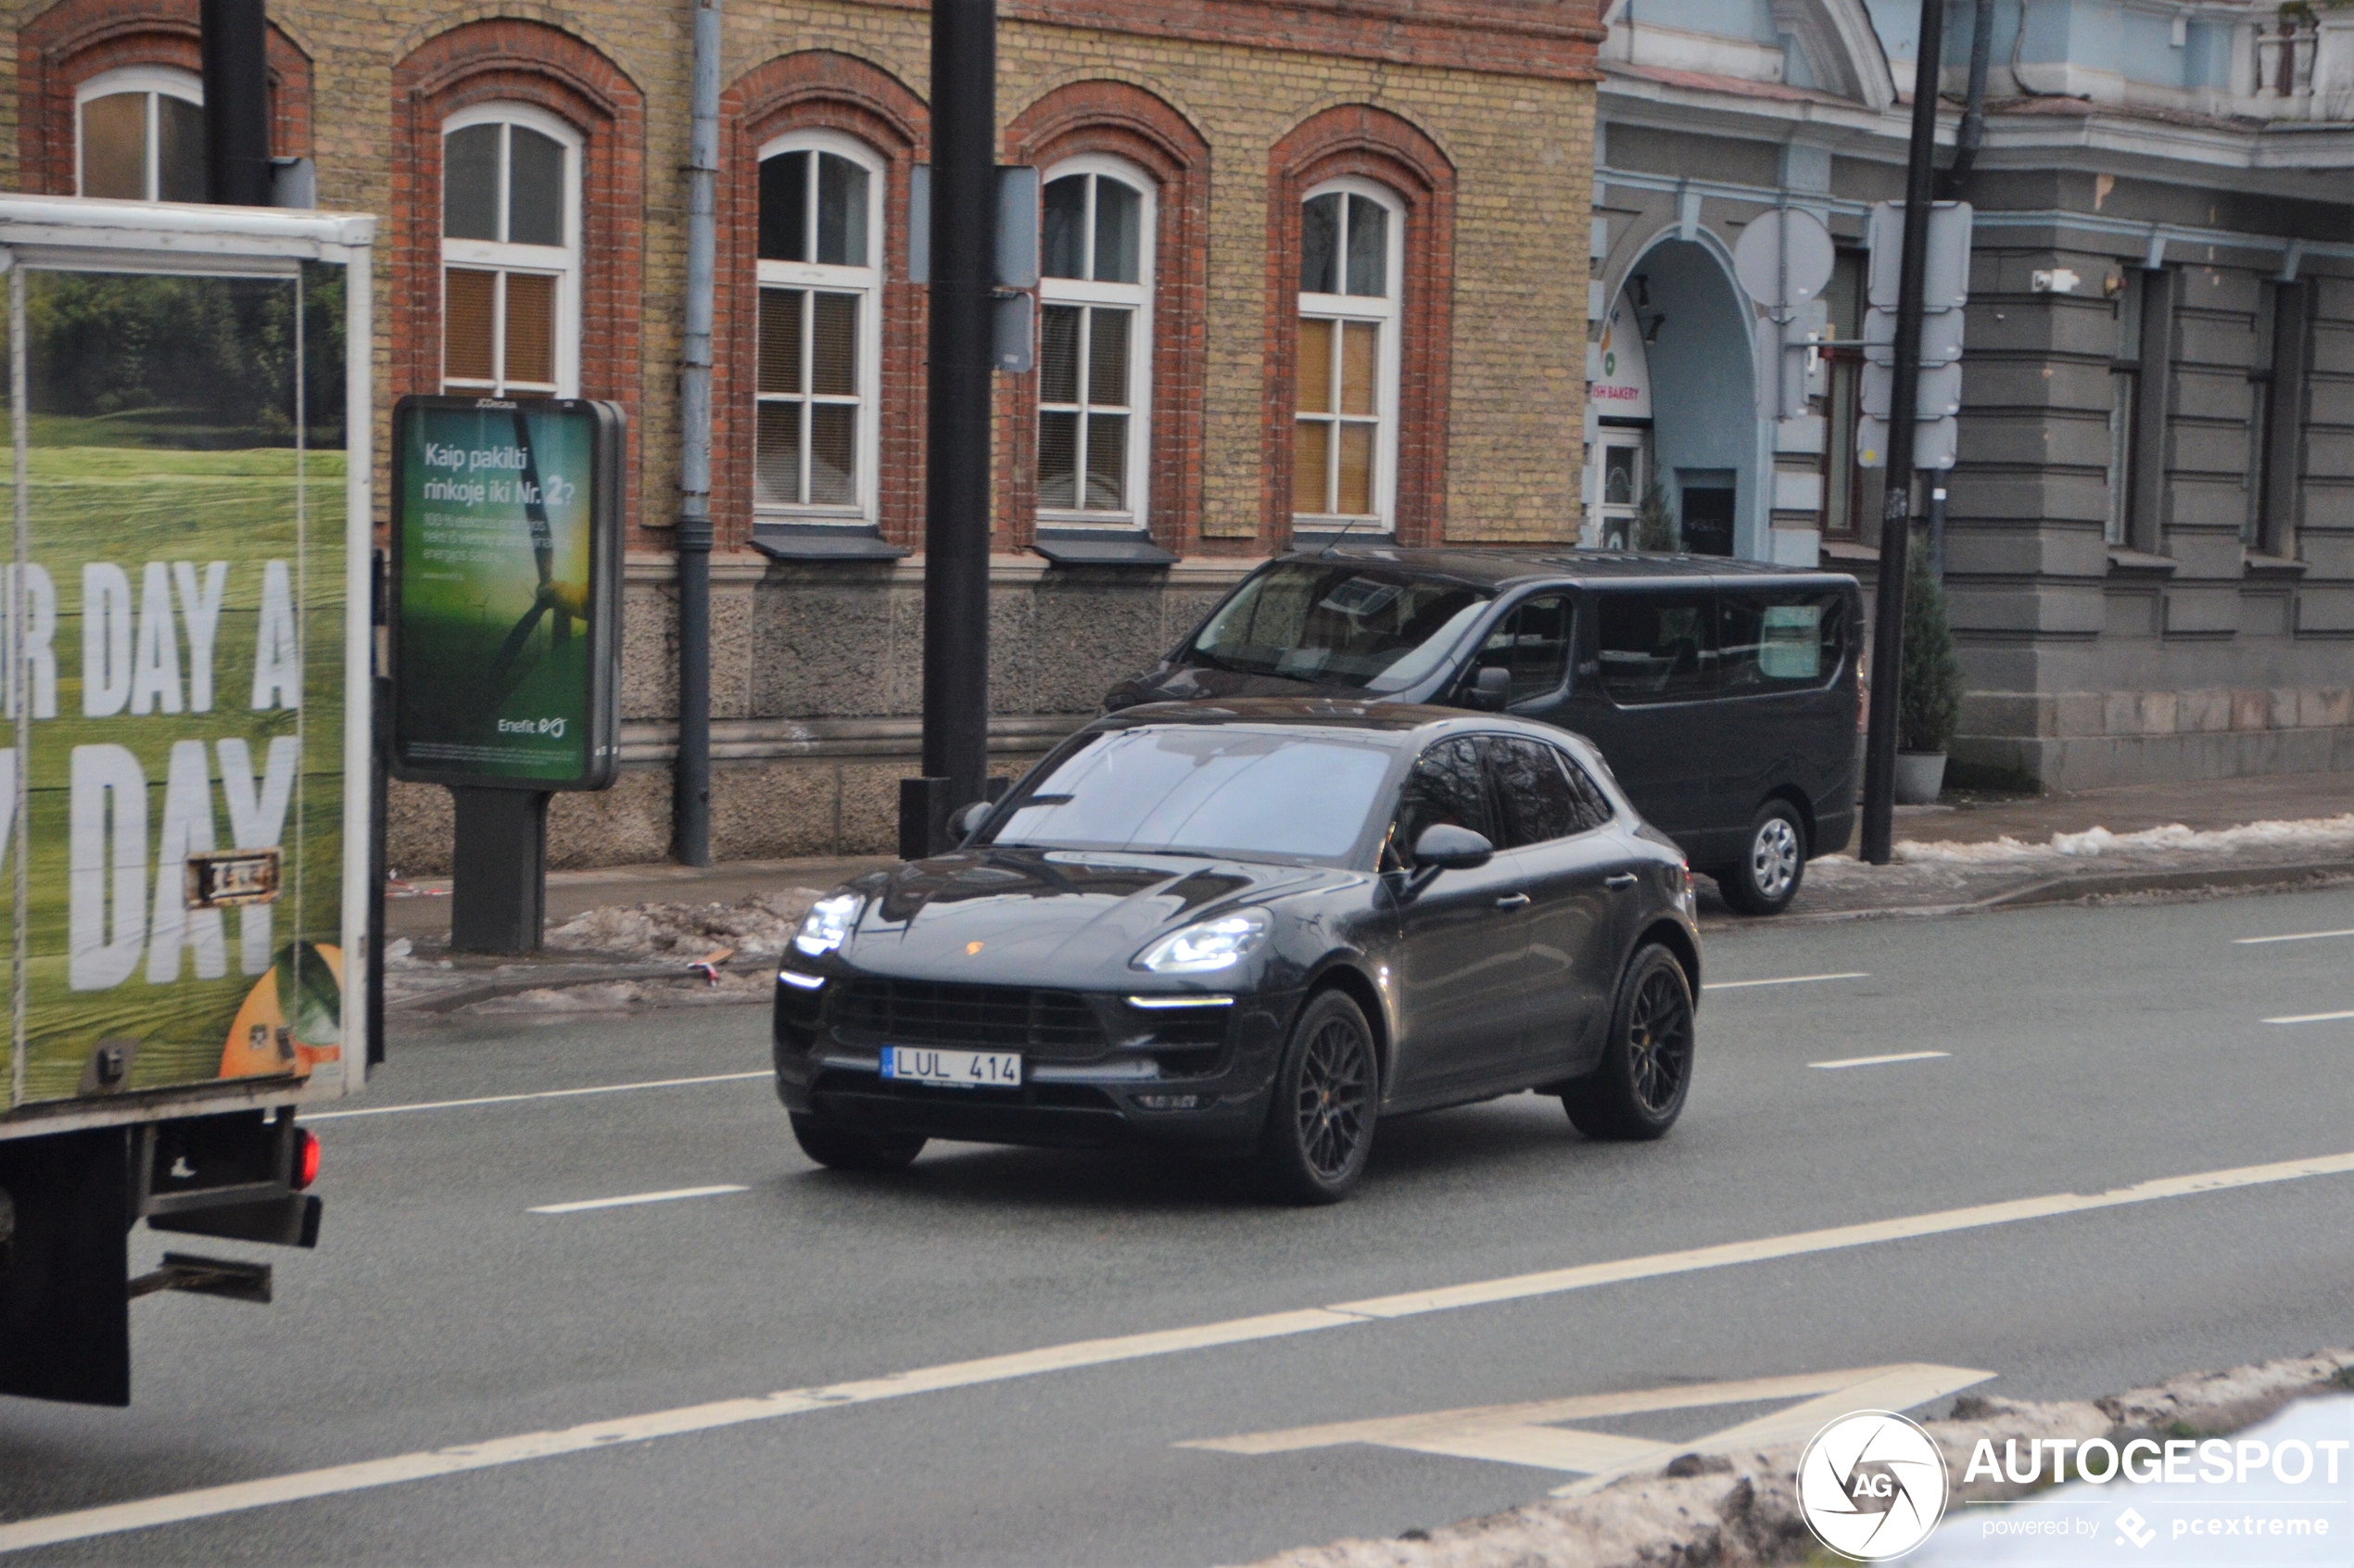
1345 623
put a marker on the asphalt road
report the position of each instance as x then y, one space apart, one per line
2084 1050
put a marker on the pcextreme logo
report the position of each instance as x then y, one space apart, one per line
1872 1486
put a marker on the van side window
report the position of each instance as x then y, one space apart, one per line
1532 643
1778 642
1447 786
1656 646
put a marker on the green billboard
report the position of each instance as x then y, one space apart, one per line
505 608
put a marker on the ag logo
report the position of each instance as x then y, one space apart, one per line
1872 1486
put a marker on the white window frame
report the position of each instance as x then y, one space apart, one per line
1136 297
169 82
561 262
1386 310
865 281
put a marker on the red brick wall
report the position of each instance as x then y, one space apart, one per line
1373 144
1125 122
75 39
524 62
813 90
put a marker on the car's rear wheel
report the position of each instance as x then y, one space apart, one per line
839 1148
1772 861
1320 1121
1637 1089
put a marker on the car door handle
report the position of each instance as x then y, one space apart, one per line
1513 900
1623 879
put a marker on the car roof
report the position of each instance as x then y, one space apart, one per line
1497 568
1399 720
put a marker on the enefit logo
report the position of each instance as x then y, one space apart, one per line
1872 1486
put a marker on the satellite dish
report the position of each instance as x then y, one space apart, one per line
1783 259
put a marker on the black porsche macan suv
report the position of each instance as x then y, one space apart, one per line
1253 928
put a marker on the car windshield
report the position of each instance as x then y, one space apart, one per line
1346 624
1247 794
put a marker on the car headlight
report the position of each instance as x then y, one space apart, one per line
1213 944
828 924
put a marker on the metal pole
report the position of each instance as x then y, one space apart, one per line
1896 515
690 781
964 122
235 51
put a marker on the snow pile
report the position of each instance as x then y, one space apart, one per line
757 927
2320 835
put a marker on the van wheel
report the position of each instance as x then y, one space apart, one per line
1772 861
839 1148
1636 1091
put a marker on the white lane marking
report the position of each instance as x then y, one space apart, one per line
1880 1061
1527 1433
207 1502
535 1095
2293 936
672 1196
1784 980
2312 1018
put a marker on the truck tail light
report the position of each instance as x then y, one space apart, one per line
306 1157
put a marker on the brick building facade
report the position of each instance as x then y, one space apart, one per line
1314 272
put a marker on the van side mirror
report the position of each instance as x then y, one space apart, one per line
1490 689
1448 848
966 821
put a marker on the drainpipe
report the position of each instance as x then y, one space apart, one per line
233 47
1972 131
690 785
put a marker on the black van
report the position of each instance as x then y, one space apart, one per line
1723 692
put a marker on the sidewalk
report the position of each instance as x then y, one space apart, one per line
627 935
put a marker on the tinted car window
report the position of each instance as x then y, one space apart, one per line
1446 786
1345 623
1204 789
1778 642
1532 643
1593 806
1532 792
1655 647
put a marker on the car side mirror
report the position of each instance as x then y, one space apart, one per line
964 823
1448 848
1490 690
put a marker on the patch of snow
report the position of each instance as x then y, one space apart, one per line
2314 833
757 927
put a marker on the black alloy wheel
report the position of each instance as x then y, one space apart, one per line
839 1148
1320 1120
1772 861
1636 1091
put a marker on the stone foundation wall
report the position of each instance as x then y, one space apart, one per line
2085 739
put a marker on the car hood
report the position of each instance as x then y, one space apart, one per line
1064 918
1193 683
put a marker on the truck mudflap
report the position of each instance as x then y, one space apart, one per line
71 1201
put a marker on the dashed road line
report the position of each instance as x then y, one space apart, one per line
1780 980
2312 1018
2292 936
632 1199
236 1496
535 1095
1882 1061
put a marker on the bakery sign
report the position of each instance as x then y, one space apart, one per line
1619 378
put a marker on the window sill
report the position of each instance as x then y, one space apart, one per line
2278 568
1320 536
1100 547
2123 563
1851 551
822 541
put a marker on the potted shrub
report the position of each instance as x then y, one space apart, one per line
1655 528
1928 700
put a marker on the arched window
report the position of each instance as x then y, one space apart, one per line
510 253
1345 434
820 339
1094 344
140 134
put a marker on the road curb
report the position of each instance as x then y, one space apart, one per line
1740 1510
2072 888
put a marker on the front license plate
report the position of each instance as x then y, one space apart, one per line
960 1069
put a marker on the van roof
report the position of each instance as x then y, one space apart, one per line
1497 568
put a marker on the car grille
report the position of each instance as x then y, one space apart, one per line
923 1013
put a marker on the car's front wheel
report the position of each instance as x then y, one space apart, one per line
839 1148
1772 861
1320 1123
1636 1091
